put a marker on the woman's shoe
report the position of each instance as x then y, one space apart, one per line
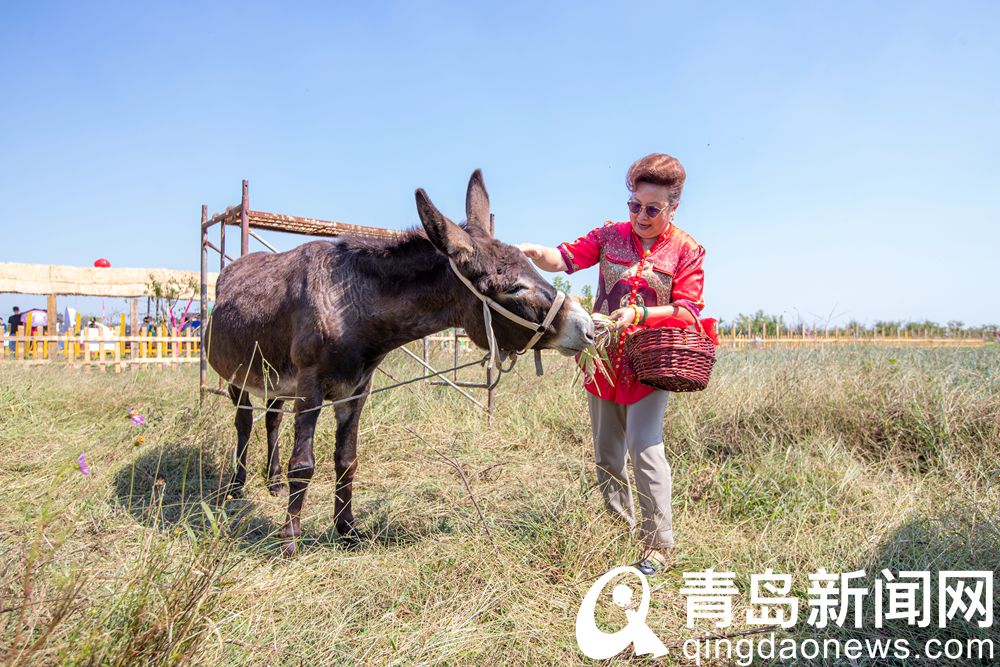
654 562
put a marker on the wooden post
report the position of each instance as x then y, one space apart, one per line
202 359
118 351
121 340
29 329
71 344
53 327
245 220
134 326
20 346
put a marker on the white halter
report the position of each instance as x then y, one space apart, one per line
488 303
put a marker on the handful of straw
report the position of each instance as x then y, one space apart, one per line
595 359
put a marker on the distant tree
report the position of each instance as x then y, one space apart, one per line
561 284
924 327
166 295
759 323
588 298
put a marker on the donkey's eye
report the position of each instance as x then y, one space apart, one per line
516 290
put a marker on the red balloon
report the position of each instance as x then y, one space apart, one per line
102 263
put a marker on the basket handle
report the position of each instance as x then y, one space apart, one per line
694 315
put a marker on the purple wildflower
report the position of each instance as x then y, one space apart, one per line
81 461
137 419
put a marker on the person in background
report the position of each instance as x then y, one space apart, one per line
13 325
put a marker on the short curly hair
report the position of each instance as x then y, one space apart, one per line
657 169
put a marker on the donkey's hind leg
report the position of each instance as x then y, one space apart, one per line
244 422
273 423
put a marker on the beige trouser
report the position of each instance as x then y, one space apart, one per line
638 430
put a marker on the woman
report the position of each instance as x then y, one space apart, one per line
650 275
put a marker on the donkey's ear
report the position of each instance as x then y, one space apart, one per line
477 204
446 236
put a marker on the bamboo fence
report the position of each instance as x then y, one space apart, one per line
89 347
778 335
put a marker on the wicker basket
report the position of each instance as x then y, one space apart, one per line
671 358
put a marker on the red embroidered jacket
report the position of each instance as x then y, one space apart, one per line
670 271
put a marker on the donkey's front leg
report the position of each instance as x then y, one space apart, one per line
346 457
301 464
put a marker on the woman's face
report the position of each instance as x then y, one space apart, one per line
647 195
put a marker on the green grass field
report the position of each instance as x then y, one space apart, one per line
792 459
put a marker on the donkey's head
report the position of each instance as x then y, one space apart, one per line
504 274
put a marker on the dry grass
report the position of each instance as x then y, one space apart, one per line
792 460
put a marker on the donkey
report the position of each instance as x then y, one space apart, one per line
313 323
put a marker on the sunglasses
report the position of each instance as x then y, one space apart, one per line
652 210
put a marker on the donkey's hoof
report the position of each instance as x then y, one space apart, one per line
350 536
234 490
277 488
288 548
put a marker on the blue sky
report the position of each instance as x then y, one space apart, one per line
843 159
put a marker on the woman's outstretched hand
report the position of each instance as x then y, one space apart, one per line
534 251
545 258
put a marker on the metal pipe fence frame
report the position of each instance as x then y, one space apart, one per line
248 220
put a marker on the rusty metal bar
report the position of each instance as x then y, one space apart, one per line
203 311
298 225
245 219
489 393
263 242
223 217
425 353
209 244
313 227
440 374
222 248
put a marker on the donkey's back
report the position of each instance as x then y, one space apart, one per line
265 304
